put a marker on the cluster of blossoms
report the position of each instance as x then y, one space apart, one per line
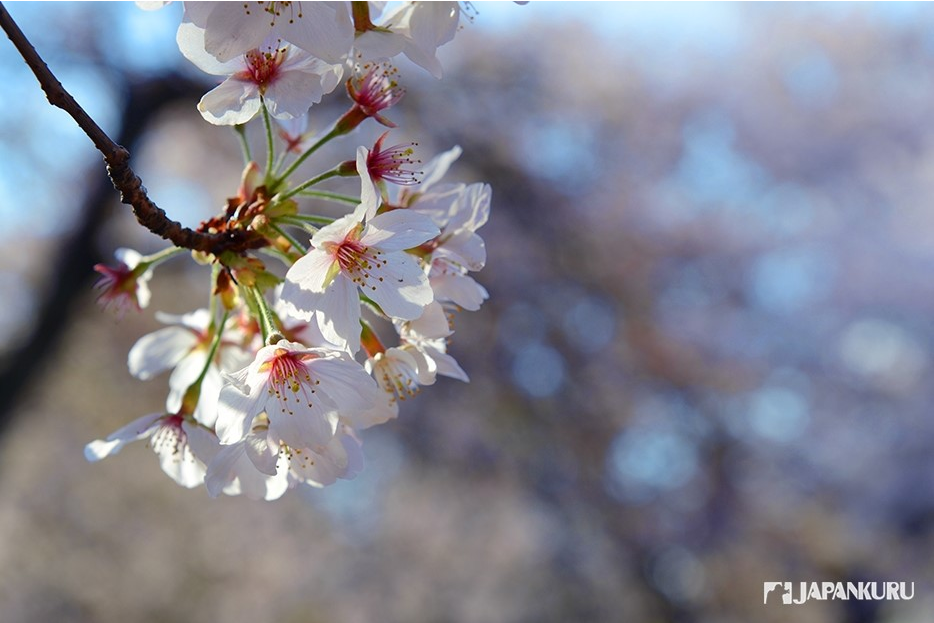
271 386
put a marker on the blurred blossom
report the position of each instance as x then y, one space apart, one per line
643 462
678 574
883 354
538 370
786 209
812 78
786 280
778 413
589 324
670 410
562 151
746 183
712 172
521 324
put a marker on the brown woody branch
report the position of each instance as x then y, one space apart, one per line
124 179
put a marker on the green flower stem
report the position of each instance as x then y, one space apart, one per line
193 393
267 321
291 193
149 261
279 162
276 253
270 147
298 246
161 256
298 161
309 218
212 303
323 194
215 344
240 129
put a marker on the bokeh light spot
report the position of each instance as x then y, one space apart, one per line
538 370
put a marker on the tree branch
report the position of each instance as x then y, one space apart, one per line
117 158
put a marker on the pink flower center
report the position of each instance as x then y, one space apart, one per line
287 369
117 288
376 90
262 67
169 436
358 261
349 253
288 372
388 164
395 378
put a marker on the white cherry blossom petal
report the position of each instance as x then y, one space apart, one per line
184 375
308 273
232 102
170 443
322 28
447 365
398 230
405 290
438 166
301 425
292 93
369 193
235 413
158 351
190 40
339 313
432 324
336 231
459 289
233 473
232 29
351 386
135 430
261 454
465 248
379 44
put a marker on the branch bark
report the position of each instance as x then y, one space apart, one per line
117 159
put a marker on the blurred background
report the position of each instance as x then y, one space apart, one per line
706 361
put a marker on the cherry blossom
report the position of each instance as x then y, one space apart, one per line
426 340
287 79
303 391
389 164
459 211
295 134
373 88
272 397
125 286
231 469
231 29
262 468
398 375
168 436
184 347
416 29
377 165
350 254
